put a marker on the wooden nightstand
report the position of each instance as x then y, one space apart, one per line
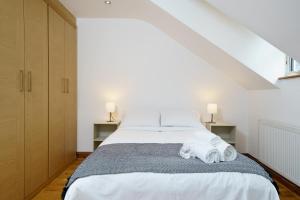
226 131
102 130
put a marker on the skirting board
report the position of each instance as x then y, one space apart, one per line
82 154
290 185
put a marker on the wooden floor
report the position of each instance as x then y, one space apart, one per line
53 190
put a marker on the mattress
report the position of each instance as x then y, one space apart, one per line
158 186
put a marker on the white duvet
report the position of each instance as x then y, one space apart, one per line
155 186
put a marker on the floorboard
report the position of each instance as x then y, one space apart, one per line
53 190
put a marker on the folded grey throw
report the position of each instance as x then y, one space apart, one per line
156 158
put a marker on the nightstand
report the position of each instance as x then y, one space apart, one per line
226 131
102 130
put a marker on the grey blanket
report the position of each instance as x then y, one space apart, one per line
156 158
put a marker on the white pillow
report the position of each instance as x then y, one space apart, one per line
141 119
180 119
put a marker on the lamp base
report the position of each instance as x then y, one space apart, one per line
110 118
212 119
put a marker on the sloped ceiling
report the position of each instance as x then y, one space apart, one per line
148 11
277 21
240 43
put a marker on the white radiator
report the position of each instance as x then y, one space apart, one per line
279 148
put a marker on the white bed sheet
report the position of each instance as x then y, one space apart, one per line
149 186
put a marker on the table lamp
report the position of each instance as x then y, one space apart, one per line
110 108
212 109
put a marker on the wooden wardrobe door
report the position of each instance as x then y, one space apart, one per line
36 94
71 93
11 100
56 93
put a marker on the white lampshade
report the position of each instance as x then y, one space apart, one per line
212 108
110 107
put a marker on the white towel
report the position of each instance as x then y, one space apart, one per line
227 151
185 151
206 136
204 151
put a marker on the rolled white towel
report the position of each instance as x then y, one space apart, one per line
227 151
204 151
206 136
185 151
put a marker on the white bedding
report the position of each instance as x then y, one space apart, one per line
149 186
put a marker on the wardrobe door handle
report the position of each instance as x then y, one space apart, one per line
29 89
21 78
68 84
64 85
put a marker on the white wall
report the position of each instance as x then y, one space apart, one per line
280 105
136 65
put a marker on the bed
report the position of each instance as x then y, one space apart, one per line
162 186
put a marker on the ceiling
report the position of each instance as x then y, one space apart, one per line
277 21
147 11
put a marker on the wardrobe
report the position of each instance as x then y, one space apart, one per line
37 95
62 87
